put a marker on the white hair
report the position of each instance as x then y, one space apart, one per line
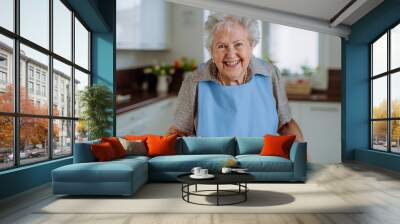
217 20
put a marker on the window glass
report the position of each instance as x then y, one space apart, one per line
81 45
39 61
33 139
395 136
7 14
379 56
81 81
62 91
62 29
81 131
379 135
379 100
395 95
62 137
34 80
6 142
395 47
284 40
6 74
34 21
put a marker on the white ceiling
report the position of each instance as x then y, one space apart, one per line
315 15
320 9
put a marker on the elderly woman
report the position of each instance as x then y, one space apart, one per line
234 93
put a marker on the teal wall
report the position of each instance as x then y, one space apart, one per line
355 66
99 16
24 178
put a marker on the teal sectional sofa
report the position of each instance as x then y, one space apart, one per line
125 176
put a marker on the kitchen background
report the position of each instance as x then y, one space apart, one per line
159 42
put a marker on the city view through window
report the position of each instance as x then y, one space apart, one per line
48 74
385 82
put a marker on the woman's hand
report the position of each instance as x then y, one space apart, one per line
292 128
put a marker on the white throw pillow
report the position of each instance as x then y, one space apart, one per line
134 147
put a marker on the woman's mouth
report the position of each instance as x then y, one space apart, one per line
231 63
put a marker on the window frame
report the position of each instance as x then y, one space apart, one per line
388 74
16 114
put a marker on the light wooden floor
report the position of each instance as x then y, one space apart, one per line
351 181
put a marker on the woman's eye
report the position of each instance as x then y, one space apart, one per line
238 44
220 46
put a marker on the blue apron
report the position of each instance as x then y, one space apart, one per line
247 110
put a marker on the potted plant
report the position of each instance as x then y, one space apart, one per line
96 104
162 71
182 66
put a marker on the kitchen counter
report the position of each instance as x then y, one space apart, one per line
141 99
318 97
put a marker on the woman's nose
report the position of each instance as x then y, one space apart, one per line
231 50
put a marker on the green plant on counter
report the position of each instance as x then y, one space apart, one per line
160 69
185 64
96 104
307 71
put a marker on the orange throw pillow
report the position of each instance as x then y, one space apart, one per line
161 145
136 137
103 152
277 145
116 145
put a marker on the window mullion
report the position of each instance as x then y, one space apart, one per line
50 81
389 76
16 84
73 82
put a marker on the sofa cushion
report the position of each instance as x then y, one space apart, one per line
185 163
116 145
206 145
131 158
111 171
257 163
134 147
161 145
249 145
277 145
103 152
83 152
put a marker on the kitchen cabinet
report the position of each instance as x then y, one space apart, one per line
321 126
154 118
143 25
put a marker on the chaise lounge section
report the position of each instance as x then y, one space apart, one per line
125 176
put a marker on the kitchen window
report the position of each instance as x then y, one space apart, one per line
384 91
38 48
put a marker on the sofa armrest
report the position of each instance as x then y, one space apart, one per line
298 155
83 152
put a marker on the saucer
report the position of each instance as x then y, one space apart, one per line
208 176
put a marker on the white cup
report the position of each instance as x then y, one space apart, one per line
196 171
203 172
226 170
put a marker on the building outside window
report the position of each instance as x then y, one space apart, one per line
30 72
43 90
38 89
37 74
3 77
3 61
35 52
30 87
385 92
3 72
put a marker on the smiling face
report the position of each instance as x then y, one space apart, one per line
231 51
